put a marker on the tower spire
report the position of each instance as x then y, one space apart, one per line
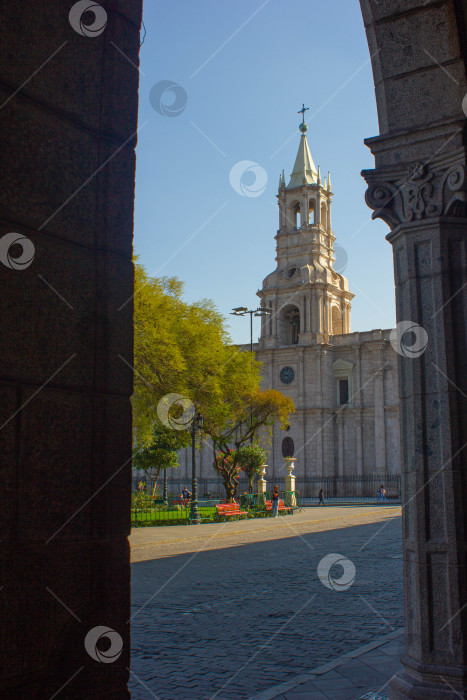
304 171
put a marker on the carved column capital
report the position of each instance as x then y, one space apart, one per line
422 190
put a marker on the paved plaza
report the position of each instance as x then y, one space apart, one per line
236 610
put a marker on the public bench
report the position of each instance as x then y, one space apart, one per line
282 506
230 510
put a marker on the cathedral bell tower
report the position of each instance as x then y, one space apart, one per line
310 302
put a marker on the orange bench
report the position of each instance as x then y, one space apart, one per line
282 506
229 510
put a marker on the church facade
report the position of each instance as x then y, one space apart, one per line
344 385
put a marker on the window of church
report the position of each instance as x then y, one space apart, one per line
343 391
311 212
288 447
290 272
297 216
336 321
288 325
294 328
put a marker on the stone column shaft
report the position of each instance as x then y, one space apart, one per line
431 279
419 187
380 428
340 443
358 428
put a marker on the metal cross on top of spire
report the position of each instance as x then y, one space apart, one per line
303 127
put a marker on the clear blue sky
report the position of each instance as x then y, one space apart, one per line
242 105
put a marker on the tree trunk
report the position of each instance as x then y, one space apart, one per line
155 478
230 485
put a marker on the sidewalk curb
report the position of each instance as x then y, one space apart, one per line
277 690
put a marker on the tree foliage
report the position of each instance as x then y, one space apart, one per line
251 415
185 349
251 459
161 452
178 348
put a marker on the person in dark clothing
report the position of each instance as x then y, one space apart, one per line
275 501
321 497
185 494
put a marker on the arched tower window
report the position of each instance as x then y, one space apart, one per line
289 325
324 216
336 321
294 328
311 212
297 217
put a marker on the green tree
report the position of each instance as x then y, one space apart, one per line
247 415
184 349
251 459
180 348
161 453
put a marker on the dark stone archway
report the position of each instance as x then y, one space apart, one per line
68 113
419 187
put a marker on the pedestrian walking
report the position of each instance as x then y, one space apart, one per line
275 501
381 493
321 497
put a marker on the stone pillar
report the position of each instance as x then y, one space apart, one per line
69 127
431 278
359 446
290 478
419 187
346 318
274 316
262 484
319 443
380 427
320 314
340 442
304 450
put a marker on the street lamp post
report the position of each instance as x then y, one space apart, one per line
260 311
197 422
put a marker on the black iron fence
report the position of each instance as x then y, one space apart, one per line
337 488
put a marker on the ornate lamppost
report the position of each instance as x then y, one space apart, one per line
197 422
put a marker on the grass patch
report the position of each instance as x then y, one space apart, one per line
171 515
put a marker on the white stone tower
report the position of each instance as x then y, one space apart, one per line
310 301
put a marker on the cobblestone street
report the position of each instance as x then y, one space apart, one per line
243 615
